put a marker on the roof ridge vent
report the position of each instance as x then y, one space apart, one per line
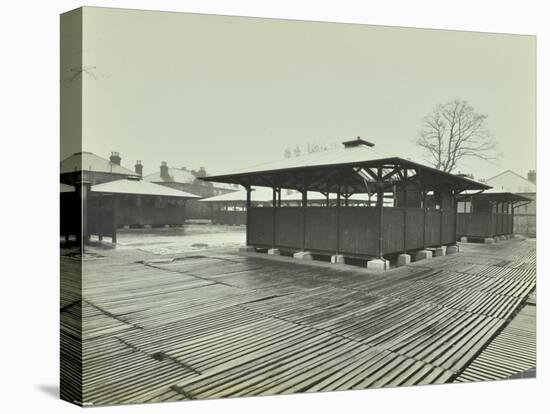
357 142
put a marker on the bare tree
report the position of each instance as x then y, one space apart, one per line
454 131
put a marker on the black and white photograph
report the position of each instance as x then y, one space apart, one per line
267 207
235 206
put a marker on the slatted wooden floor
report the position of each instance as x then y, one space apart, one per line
513 350
225 324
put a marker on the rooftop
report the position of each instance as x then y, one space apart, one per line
88 161
139 187
350 165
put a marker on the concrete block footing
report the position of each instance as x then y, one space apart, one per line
378 264
126 227
403 259
422 254
303 256
440 251
247 249
452 249
274 252
147 226
337 259
489 240
464 239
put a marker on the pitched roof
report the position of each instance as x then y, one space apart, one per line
88 161
180 176
509 181
325 163
494 195
139 187
177 175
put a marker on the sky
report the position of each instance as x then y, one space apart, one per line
227 92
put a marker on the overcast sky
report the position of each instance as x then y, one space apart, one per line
227 92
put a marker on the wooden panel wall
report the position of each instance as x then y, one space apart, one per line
321 230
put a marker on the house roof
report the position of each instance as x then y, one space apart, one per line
88 161
180 176
320 169
509 181
139 187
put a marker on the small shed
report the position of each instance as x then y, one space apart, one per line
354 231
127 202
487 214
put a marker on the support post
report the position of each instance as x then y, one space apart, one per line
248 204
425 215
441 225
304 216
115 221
274 217
380 205
513 207
404 230
338 221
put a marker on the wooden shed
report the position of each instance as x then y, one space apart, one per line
488 214
354 231
101 209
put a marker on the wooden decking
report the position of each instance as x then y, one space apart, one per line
224 324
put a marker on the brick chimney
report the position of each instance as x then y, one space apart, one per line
532 176
138 168
115 158
164 171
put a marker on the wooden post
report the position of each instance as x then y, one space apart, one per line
405 230
274 217
380 205
115 221
425 216
441 225
512 230
338 221
279 197
248 204
304 213
455 208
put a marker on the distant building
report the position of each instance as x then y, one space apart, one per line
189 181
524 216
89 167
99 195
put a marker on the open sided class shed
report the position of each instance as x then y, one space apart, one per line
423 209
487 214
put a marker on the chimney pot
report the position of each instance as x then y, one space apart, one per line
138 168
115 158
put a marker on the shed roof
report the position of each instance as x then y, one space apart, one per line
139 187
495 195
347 166
88 161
